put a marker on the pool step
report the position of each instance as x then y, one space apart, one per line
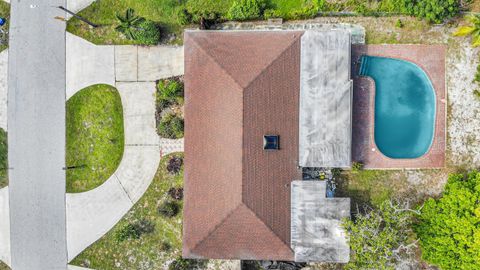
363 66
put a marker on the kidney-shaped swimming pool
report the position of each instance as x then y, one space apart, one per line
404 106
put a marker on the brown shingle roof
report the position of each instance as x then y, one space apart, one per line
240 86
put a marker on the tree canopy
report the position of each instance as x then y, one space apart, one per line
449 227
379 238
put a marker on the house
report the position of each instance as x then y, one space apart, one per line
259 105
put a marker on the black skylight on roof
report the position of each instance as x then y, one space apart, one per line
271 142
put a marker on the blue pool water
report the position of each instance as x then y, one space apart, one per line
404 106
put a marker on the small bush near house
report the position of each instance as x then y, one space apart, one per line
379 238
399 24
138 28
449 227
169 209
434 11
476 92
3 159
134 230
126 232
176 193
169 92
171 126
211 10
187 264
174 165
242 10
184 17
357 166
148 33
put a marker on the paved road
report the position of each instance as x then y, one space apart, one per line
36 141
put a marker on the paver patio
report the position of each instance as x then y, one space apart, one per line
431 58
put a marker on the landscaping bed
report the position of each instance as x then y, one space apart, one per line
4 266
149 236
4 13
95 137
169 108
3 159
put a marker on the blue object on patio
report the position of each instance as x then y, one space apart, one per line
2 21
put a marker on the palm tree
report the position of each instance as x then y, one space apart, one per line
472 30
129 23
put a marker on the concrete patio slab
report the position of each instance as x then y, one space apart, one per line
126 62
159 62
92 214
137 168
88 64
3 88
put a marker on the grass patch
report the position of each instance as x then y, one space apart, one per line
3 159
104 12
4 13
95 137
4 266
148 251
369 187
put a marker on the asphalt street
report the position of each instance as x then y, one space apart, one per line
36 139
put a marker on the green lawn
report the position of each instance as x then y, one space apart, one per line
165 12
4 266
103 13
4 13
95 137
3 159
150 250
370 187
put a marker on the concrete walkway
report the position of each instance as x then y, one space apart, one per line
87 64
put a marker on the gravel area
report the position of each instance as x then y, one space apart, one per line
464 114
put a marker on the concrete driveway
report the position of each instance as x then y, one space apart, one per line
91 214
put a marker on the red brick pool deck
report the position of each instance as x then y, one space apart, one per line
431 58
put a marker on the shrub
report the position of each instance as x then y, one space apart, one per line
171 126
357 166
449 227
174 165
187 264
242 10
435 11
134 230
169 209
379 238
169 92
3 158
138 28
211 10
148 33
176 193
307 12
165 246
184 17
399 24
128 23
476 93
271 13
